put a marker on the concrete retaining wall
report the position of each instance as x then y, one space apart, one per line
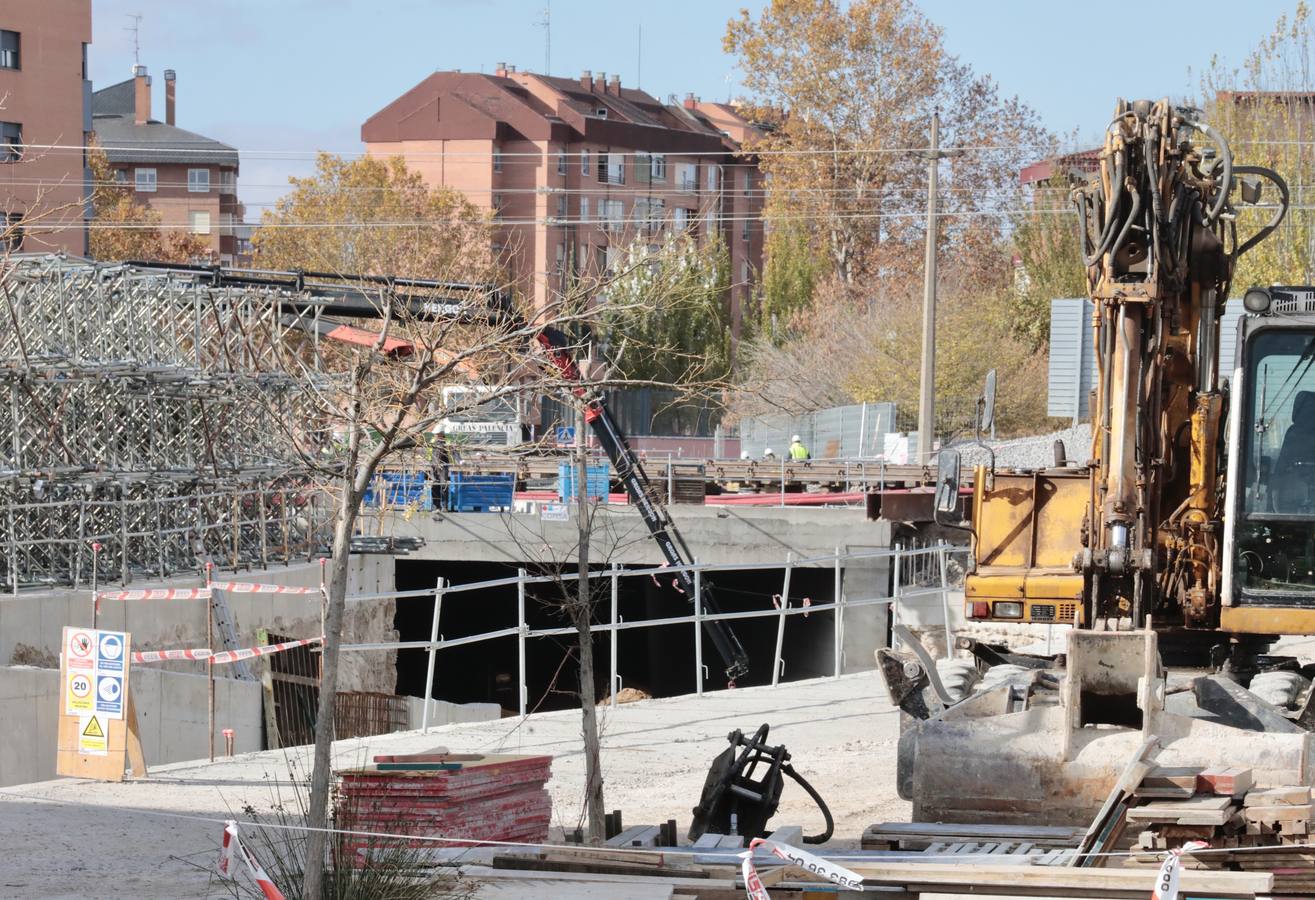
31 624
171 709
441 712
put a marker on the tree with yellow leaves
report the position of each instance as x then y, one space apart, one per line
373 216
121 228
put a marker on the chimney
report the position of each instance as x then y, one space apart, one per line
142 97
600 83
501 70
586 79
170 98
614 88
690 102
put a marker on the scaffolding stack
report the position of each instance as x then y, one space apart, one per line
147 426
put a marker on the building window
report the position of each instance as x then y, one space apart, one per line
584 162
9 42
199 221
687 177
11 142
198 181
561 208
120 176
658 167
712 179
85 76
680 218
144 180
13 235
497 160
561 259
561 162
227 181
584 210
612 168
745 229
497 206
613 214
746 273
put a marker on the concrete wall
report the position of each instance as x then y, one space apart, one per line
716 535
31 623
171 710
441 712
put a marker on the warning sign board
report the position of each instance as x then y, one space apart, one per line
98 735
77 694
92 736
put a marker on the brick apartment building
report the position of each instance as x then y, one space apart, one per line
189 179
575 171
44 122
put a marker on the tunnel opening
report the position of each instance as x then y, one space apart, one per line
657 660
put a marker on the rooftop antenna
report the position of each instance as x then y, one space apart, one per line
546 24
136 29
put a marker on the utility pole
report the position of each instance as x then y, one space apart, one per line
927 383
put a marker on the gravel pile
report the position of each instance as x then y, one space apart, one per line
1035 452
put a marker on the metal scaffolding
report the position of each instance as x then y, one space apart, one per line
147 425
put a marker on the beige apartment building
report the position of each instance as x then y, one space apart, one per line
189 179
575 172
44 122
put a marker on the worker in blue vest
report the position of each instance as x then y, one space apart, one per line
797 449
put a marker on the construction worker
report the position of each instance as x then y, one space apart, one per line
797 449
768 454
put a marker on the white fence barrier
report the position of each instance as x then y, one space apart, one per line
924 562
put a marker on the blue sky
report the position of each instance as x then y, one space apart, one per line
299 75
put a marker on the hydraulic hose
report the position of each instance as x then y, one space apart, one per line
821 804
1226 176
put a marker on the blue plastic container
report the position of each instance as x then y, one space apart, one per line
481 493
396 489
596 482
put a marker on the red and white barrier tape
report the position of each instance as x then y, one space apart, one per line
1166 880
251 587
224 656
802 859
203 593
233 847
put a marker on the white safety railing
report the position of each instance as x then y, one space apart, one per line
930 559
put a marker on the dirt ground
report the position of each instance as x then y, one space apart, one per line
159 837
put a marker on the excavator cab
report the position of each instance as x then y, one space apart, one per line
1269 533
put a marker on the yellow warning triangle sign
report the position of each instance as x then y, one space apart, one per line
93 728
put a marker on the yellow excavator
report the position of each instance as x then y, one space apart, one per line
1186 537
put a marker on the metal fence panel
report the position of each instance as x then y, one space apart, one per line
851 431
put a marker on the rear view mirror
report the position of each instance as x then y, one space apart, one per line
986 405
947 488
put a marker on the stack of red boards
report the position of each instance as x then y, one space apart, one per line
467 798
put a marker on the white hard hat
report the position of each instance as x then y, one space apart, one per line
744 454
767 451
795 440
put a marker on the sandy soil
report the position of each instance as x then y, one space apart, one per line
71 838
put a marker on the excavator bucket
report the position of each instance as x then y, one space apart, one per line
1050 745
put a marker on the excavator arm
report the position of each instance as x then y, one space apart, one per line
644 498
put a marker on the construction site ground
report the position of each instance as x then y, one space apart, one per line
70 838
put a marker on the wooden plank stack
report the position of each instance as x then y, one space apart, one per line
1248 829
479 798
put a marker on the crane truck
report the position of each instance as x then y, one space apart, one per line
1185 537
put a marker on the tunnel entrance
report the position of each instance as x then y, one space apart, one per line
658 660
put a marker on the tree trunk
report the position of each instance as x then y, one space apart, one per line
317 817
582 616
